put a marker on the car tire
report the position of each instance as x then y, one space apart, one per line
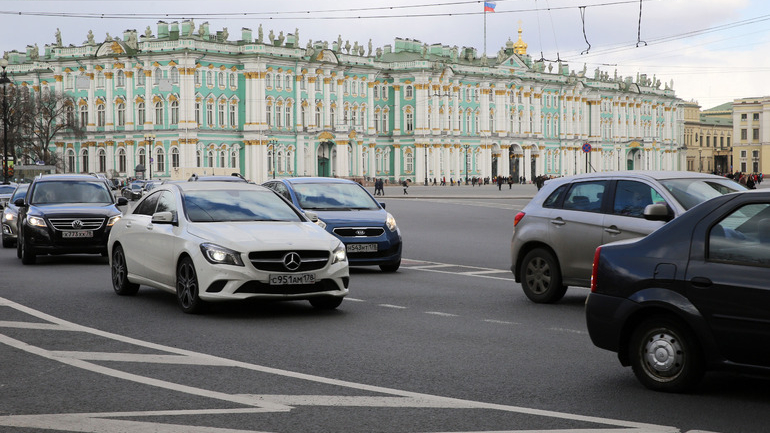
541 277
26 252
187 290
326 302
18 247
391 267
120 281
665 355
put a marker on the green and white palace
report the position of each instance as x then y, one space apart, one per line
182 99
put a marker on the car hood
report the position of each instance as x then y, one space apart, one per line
52 210
369 217
253 236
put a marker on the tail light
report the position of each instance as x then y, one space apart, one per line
595 268
518 218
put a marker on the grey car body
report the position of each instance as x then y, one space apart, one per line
10 213
556 234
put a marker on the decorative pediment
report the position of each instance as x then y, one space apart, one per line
111 48
327 56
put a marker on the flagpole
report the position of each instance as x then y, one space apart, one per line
485 30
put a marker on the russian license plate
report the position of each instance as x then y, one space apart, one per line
78 234
287 279
361 248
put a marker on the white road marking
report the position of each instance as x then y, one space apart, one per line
397 307
104 422
438 313
500 322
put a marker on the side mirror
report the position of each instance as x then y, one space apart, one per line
122 201
164 218
382 205
312 216
658 212
19 202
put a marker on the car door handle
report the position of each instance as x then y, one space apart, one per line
149 227
558 222
128 225
613 230
701 282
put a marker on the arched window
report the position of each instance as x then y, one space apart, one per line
221 77
121 160
234 159
100 115
318 116
197 78
84 161
141 157
269 114
157 75
102 158
159 113
100 80
121 112
222 117
70 168
211 158
409 163
140 114
288 82
277 81
174 112
209 79
210 113
83 116
223 158
233 115
120 79
141 78
233 81
198 112
409 92
269 80
287 112
198 157
175 158
160 161
174 75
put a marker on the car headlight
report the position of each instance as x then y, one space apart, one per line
339 254
113 220
390 222
321 223
8 215
36 221
219 255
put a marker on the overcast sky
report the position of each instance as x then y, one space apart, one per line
713 50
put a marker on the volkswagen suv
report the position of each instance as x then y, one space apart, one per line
66 214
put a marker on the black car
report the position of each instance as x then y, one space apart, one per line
66 214
692 296
134 190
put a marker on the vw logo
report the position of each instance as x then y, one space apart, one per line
291 261
360 232
77 224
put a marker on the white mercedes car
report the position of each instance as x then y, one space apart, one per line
217 241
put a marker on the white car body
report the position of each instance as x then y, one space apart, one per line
155 244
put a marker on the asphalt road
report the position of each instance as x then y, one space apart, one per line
447 344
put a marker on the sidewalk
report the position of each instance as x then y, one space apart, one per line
516 191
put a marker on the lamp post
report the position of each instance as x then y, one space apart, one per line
150 140
466 146
5 81
273 143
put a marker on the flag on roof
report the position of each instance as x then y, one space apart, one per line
489 6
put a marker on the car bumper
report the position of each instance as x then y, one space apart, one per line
386 249
226 282
44 241
605 319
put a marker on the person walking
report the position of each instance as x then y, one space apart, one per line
405 183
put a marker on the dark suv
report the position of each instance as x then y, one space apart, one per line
66 214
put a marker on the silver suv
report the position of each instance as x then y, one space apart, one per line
556 234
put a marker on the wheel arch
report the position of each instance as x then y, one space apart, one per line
525 249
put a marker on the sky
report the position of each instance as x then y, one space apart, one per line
714 51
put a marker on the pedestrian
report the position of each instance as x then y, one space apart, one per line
510 182
405 183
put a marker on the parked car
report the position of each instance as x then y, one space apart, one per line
150 184
348 211
11 214
134 190
689 298
6 190
218 241
235 177
557 232
65 214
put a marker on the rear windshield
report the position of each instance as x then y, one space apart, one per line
53 192
334 196
692 192
237 205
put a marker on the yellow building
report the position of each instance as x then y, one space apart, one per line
708 138
752 135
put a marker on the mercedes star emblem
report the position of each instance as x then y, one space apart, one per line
291 261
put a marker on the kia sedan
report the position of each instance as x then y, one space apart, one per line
219 241
690 297
350 213
557 232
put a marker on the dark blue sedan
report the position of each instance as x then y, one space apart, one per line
350 213
692 296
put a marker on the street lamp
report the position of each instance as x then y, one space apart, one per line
5 81
150 140
273 143
466 146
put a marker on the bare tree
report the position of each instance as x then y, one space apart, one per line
44 117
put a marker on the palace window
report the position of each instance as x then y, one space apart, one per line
159 113
174 112
140 114
121 160
120 79
160 161
100 115
121 112
174 75
175 158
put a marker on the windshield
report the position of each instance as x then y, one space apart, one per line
333 196
691 192
237 205
71 192
7 189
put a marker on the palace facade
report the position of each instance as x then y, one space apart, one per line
183 100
